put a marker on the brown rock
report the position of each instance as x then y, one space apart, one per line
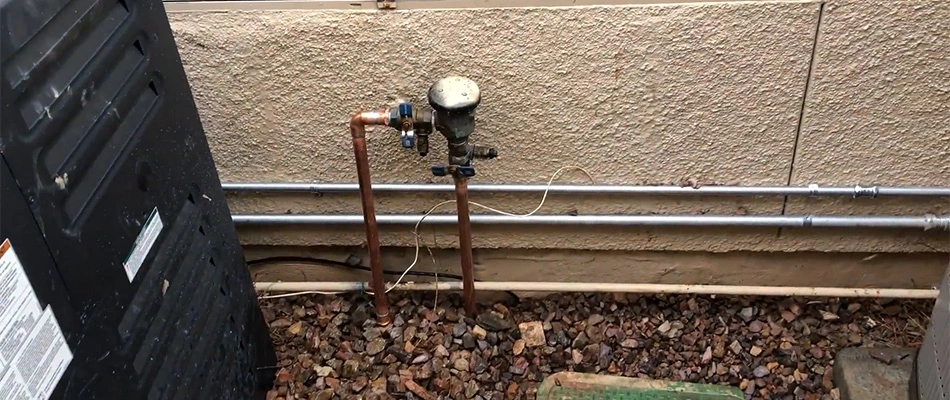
440 384
613 368
379 385
423 372
461 364
501 309
532 333
512 391
296 328
775 329
479 332
518 347
788 316
333 383
376 346
471 389
284 376
577 356
719 350
855 338
829 316
419 390
280 323
322 371
630 343
756 326
735 347
595 319
421 358
359 384
351 369
721 369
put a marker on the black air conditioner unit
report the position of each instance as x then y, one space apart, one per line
121 274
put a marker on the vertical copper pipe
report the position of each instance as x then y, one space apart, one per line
465 245
358 131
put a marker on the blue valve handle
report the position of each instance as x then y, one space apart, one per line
406 139
467 171
405 110
440 170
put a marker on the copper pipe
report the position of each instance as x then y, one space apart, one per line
465 245
358 131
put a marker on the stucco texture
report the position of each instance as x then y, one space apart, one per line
878 106
667 94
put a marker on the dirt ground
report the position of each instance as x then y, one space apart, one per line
771 348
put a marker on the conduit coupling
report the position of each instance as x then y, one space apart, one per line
927 222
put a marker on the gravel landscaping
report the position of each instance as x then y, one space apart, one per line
771 348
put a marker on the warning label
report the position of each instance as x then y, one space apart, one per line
33 351
143 244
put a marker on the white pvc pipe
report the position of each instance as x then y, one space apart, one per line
651 288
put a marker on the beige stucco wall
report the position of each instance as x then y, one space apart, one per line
705 93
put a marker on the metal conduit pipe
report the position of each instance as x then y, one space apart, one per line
731 290
667 190
926 222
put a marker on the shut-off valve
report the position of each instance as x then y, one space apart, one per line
453 101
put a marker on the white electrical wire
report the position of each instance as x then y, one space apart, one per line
544 197
277 296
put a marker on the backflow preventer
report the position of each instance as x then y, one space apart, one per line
453 101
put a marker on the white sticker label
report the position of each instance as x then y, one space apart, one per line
143 244
33 351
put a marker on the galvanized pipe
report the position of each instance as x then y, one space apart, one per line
773 221
668 190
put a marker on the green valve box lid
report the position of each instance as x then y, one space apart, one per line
570 385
